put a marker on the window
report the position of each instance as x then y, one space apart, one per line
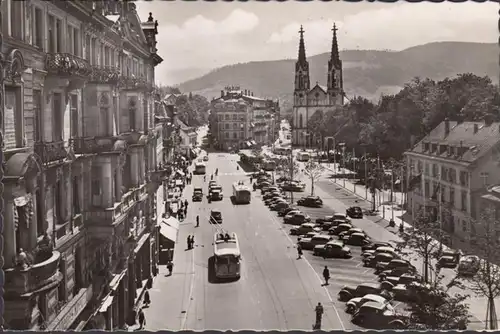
484 177
235 135
226 117
74 115
104 115
101 54
452 196
76 196
16 21
226 126
38 28
52 36
426 188
13 119
435 170
426 169
463 198
37 112
464 226
131 114
464 179
70 44
58 35
96 185
57 117
452 175
76 42
93 52
107 59
226 134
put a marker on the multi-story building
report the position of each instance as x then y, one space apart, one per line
450 169
78 128
188 137
239 119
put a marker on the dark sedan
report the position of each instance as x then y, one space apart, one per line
355 212
284 212
310 201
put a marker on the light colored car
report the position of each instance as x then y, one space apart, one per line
382 249
305 228
319 239
341 216
353 304
469 265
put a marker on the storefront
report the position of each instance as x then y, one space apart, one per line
169 230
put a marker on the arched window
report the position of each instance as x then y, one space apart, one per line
132 114
301 120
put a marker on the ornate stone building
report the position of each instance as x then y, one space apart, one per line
80 155
306 100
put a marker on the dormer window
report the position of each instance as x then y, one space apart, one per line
442 149
450 150
434 148
425 147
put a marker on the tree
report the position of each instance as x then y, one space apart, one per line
421 242
486 283
434 308
287 167
313 171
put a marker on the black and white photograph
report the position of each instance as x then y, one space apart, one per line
249 165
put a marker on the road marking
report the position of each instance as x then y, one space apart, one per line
191 290
317 275
367 271
359 264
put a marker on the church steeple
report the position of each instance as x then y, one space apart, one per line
334 82
301 69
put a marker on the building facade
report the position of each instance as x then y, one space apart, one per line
319 99
188 138
79 147
238 119
451 168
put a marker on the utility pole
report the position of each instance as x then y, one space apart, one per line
291 175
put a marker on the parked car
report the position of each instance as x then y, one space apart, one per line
279 205
197 195
341 216
332 249
328 225
354 212
347 292
349 232
375 245
205 158
357 239
382 249
353 304
325 219
373 261
274 200
336 230
266 190
307 235
304 228
211 184
394 263
449 259
215 216
216 194
469 265
271 194
284 212
310 201
293 186
396 272
375 315
310 243
297 219
391 281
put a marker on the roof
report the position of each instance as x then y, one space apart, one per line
476 145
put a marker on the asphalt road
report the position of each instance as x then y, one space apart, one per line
275 291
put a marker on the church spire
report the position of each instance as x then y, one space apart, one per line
302 48
334 56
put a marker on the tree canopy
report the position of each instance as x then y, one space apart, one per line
398 121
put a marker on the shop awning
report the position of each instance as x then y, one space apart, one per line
106 304
168 232
172 222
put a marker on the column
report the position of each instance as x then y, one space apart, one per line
9 232
33 229
147 255
131 286
138 270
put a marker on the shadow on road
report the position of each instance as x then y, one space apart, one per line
246 167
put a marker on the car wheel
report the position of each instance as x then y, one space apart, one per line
344 296
350 309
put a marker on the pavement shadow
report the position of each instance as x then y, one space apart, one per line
247 168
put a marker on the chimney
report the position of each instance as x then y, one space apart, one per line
222 93
476 128
252 93
245 92
446 127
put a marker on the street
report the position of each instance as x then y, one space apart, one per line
276 291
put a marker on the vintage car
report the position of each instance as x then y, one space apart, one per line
355 212
215 217
197 195
334 249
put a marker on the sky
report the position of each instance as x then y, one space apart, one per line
195 37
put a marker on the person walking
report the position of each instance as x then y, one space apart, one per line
326 275
319 316
198 221
170 267
192 241
142 319
188 242
299 251
147 298
186 203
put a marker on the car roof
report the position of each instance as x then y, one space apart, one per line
308 224
340 214
384 249
322 236
345 224
375 298
358 234
375 305
198 189
216 211
370 284
336 242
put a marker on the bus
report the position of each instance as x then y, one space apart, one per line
268 165
303 156
227 255
200 168
242 194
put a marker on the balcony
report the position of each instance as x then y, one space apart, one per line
49 152
42 274
134 83
93 145
67 65
104 75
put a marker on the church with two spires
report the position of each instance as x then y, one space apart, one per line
306 100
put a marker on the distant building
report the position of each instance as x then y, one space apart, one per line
188 137
240 120
307 101
450 170
171 99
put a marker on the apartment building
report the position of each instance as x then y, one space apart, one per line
452 167
188 138
239 119
79 219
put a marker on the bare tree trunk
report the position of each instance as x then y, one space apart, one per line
312 186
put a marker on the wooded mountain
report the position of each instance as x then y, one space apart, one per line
367 73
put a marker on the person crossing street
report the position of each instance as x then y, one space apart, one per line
326 275
319 316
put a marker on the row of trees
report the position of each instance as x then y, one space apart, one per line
442 311
192 109
391 126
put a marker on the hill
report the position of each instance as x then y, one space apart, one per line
367 73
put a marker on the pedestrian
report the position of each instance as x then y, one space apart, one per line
326 275
147 299
299 251
185 211
251 180
189 242
319 315
170 267
180 213
186 203
198 221
142 319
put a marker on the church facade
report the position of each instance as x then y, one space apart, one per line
307 101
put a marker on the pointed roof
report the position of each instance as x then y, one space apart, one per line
334 55
302 49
